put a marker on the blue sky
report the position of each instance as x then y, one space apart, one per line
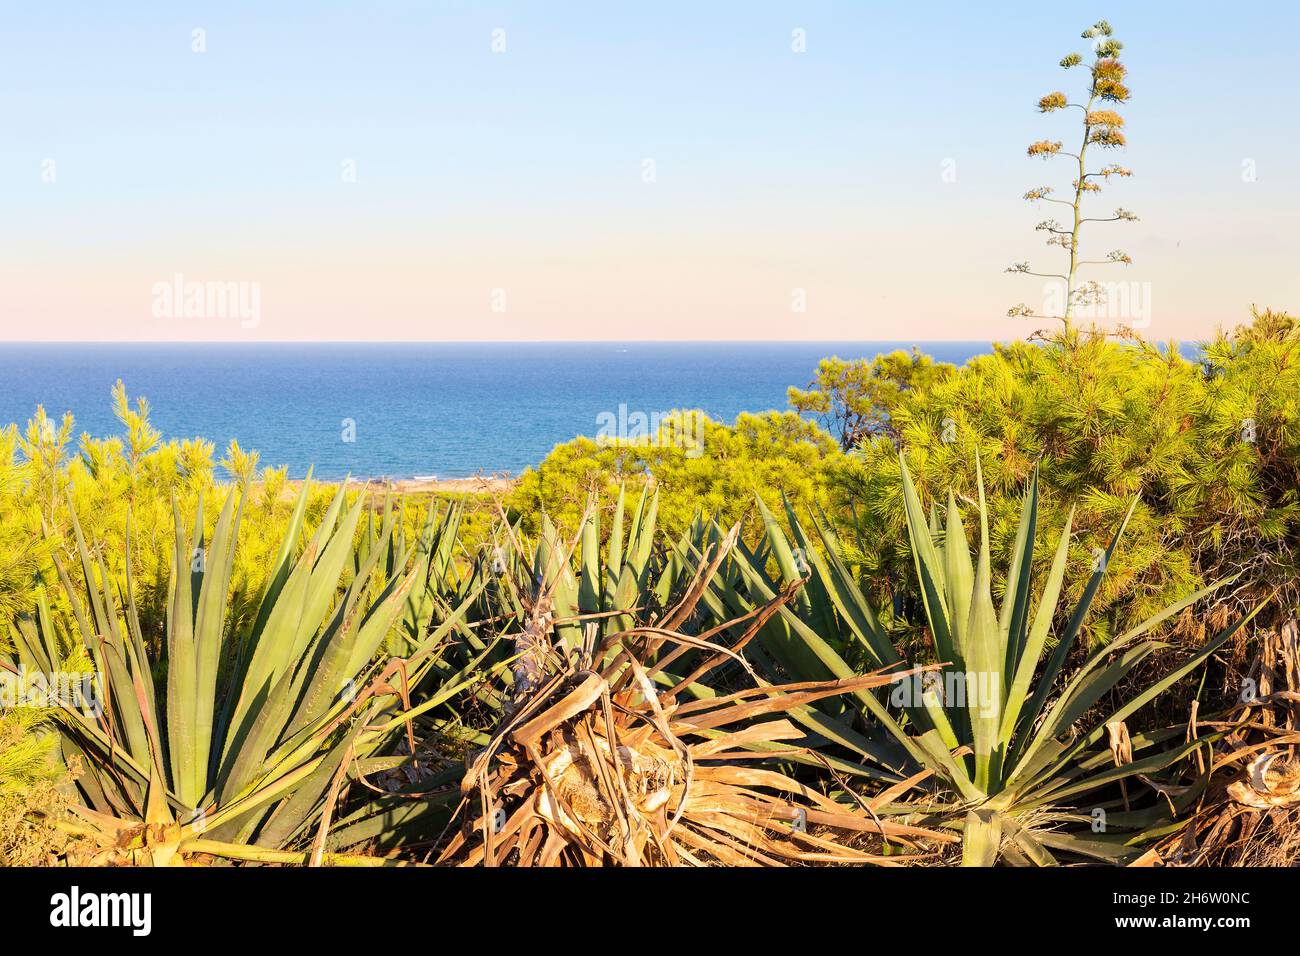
523 170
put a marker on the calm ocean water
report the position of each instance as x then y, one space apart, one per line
445 409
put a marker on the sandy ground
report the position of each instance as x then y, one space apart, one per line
491 484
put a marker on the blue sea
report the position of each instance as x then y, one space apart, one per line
447 409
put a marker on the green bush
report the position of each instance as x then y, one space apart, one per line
1210 447
770 454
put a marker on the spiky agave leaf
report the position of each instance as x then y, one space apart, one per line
1027 752
609 760
1013 746
167 768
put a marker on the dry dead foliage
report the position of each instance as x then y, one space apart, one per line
607 759
1250 813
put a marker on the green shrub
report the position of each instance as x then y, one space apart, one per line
768 454
1211 448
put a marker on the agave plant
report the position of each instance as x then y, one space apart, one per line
241 749
1036 744
614 748
1012 736
517 592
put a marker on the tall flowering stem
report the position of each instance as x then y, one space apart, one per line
1102 128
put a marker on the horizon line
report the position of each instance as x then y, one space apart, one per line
919 341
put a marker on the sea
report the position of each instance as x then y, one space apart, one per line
411 409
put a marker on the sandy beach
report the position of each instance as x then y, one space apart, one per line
492 484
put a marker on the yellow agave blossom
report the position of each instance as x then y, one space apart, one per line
1104 118
1112 91
1052 101
1107 137
1109 68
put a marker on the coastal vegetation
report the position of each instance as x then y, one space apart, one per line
296 672
1038 609
1206 442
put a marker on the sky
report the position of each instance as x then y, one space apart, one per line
457 170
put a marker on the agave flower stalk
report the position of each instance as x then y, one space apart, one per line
1101 128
